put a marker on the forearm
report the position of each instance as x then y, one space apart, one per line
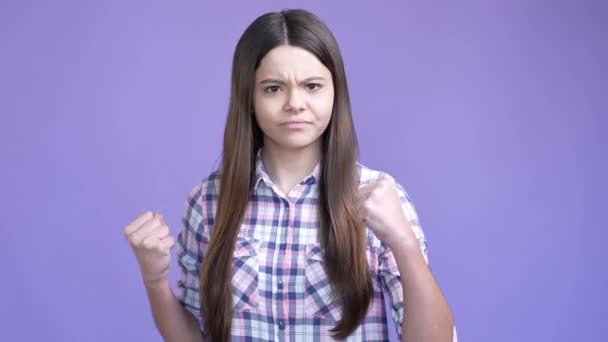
427 316
173 321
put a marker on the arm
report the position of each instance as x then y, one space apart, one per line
173 321
427 313
178 317
418 308
151 241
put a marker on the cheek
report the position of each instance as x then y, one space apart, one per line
259 104
323 109
264 110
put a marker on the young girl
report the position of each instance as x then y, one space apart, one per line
291 239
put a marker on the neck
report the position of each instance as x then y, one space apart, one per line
287 167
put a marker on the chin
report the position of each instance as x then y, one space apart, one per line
295 146
296 143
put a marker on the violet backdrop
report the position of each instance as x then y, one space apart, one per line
492 114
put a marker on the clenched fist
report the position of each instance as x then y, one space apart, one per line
150 239
382 211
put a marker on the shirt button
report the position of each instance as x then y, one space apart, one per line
281 324
280 284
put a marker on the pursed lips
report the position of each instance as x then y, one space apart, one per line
296 122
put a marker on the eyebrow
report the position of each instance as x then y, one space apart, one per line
273 80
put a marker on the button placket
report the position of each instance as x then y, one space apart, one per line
283 245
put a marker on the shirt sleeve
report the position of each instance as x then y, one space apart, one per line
389 272
192 241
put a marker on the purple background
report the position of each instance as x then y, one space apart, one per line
491 114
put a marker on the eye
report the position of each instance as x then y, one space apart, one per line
271 89
313 86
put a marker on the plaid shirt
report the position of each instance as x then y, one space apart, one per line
280 289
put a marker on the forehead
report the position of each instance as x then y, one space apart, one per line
287 61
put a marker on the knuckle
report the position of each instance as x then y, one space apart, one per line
134 245
136 242
126 229
148 243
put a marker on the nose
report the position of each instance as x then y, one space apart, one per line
295 101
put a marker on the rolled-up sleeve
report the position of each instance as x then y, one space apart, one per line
191 243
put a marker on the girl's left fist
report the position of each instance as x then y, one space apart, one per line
380 208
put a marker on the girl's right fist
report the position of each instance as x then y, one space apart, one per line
150 239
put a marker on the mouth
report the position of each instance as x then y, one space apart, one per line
296 124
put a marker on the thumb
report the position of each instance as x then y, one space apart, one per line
167 243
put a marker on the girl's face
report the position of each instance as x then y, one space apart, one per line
293 97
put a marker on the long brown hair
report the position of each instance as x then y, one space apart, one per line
342 234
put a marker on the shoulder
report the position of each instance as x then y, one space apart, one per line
202 199
368 175
206 189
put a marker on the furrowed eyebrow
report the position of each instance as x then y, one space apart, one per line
276 81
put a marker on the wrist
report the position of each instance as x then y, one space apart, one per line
403 241
154 285
408 255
